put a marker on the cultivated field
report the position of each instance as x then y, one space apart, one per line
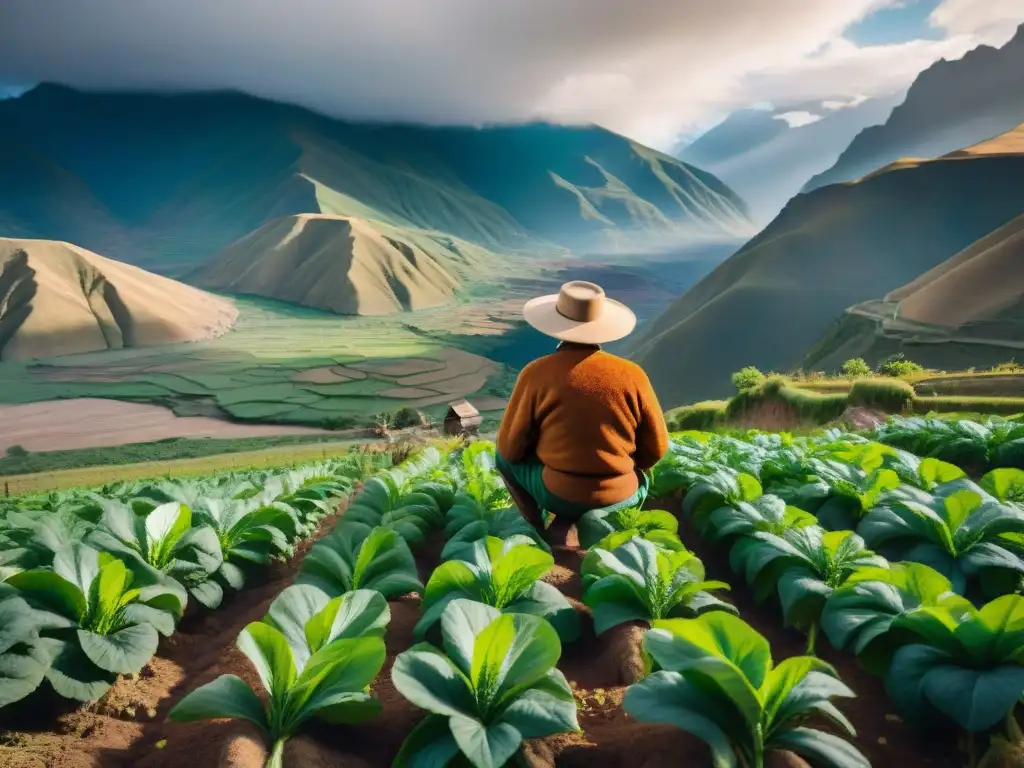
281 364
615 623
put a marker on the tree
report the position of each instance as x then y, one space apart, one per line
747 378
856 368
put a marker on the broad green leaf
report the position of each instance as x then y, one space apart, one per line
821 748
72 674
429 745
429 680
268 650
228 696
361 613
512 653
667 697
50 590
975 699
1006 484
540 712
717 634
124 652
461 622
485 746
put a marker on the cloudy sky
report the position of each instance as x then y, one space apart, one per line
652 69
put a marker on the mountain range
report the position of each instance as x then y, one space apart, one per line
967 311
950 105
772 301
758 154
165 181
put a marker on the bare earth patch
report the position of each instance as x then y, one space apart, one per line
405 367
490 403
330 375
95 422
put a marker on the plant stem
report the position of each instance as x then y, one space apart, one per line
1013 730
276 759
812 636
972 752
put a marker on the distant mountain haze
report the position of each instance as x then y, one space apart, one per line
166 181
767 162
773 300
950 105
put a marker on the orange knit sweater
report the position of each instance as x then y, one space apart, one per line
592 420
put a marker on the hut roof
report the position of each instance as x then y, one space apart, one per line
462 409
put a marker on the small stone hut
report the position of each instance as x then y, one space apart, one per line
462 419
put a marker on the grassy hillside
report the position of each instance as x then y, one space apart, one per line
178 177
950 104
783 402
837 246
58 299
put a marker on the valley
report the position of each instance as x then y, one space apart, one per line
365 268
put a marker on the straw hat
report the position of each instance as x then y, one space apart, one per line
580 312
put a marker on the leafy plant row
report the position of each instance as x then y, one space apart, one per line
997 442
907 614
89 581
491 630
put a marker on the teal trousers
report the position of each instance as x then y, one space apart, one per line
527 474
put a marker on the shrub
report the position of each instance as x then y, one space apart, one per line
898 365
17 451
855 368
747 378
406 417
889 395
700 416
1010 367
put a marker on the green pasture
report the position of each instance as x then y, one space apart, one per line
249 374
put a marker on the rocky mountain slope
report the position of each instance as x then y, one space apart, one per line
950 105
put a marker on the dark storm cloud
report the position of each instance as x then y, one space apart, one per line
640 66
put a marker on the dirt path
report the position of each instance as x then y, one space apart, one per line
96 422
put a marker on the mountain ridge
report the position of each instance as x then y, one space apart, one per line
774 167
951 104
828 250
181 176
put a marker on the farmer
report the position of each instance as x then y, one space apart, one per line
582 425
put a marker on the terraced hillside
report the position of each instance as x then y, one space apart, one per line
969 310
828 250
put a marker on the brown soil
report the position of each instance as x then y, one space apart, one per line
330 375
863 418
129 727
97 422
769 415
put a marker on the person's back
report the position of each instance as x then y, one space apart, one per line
592 420
582 425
